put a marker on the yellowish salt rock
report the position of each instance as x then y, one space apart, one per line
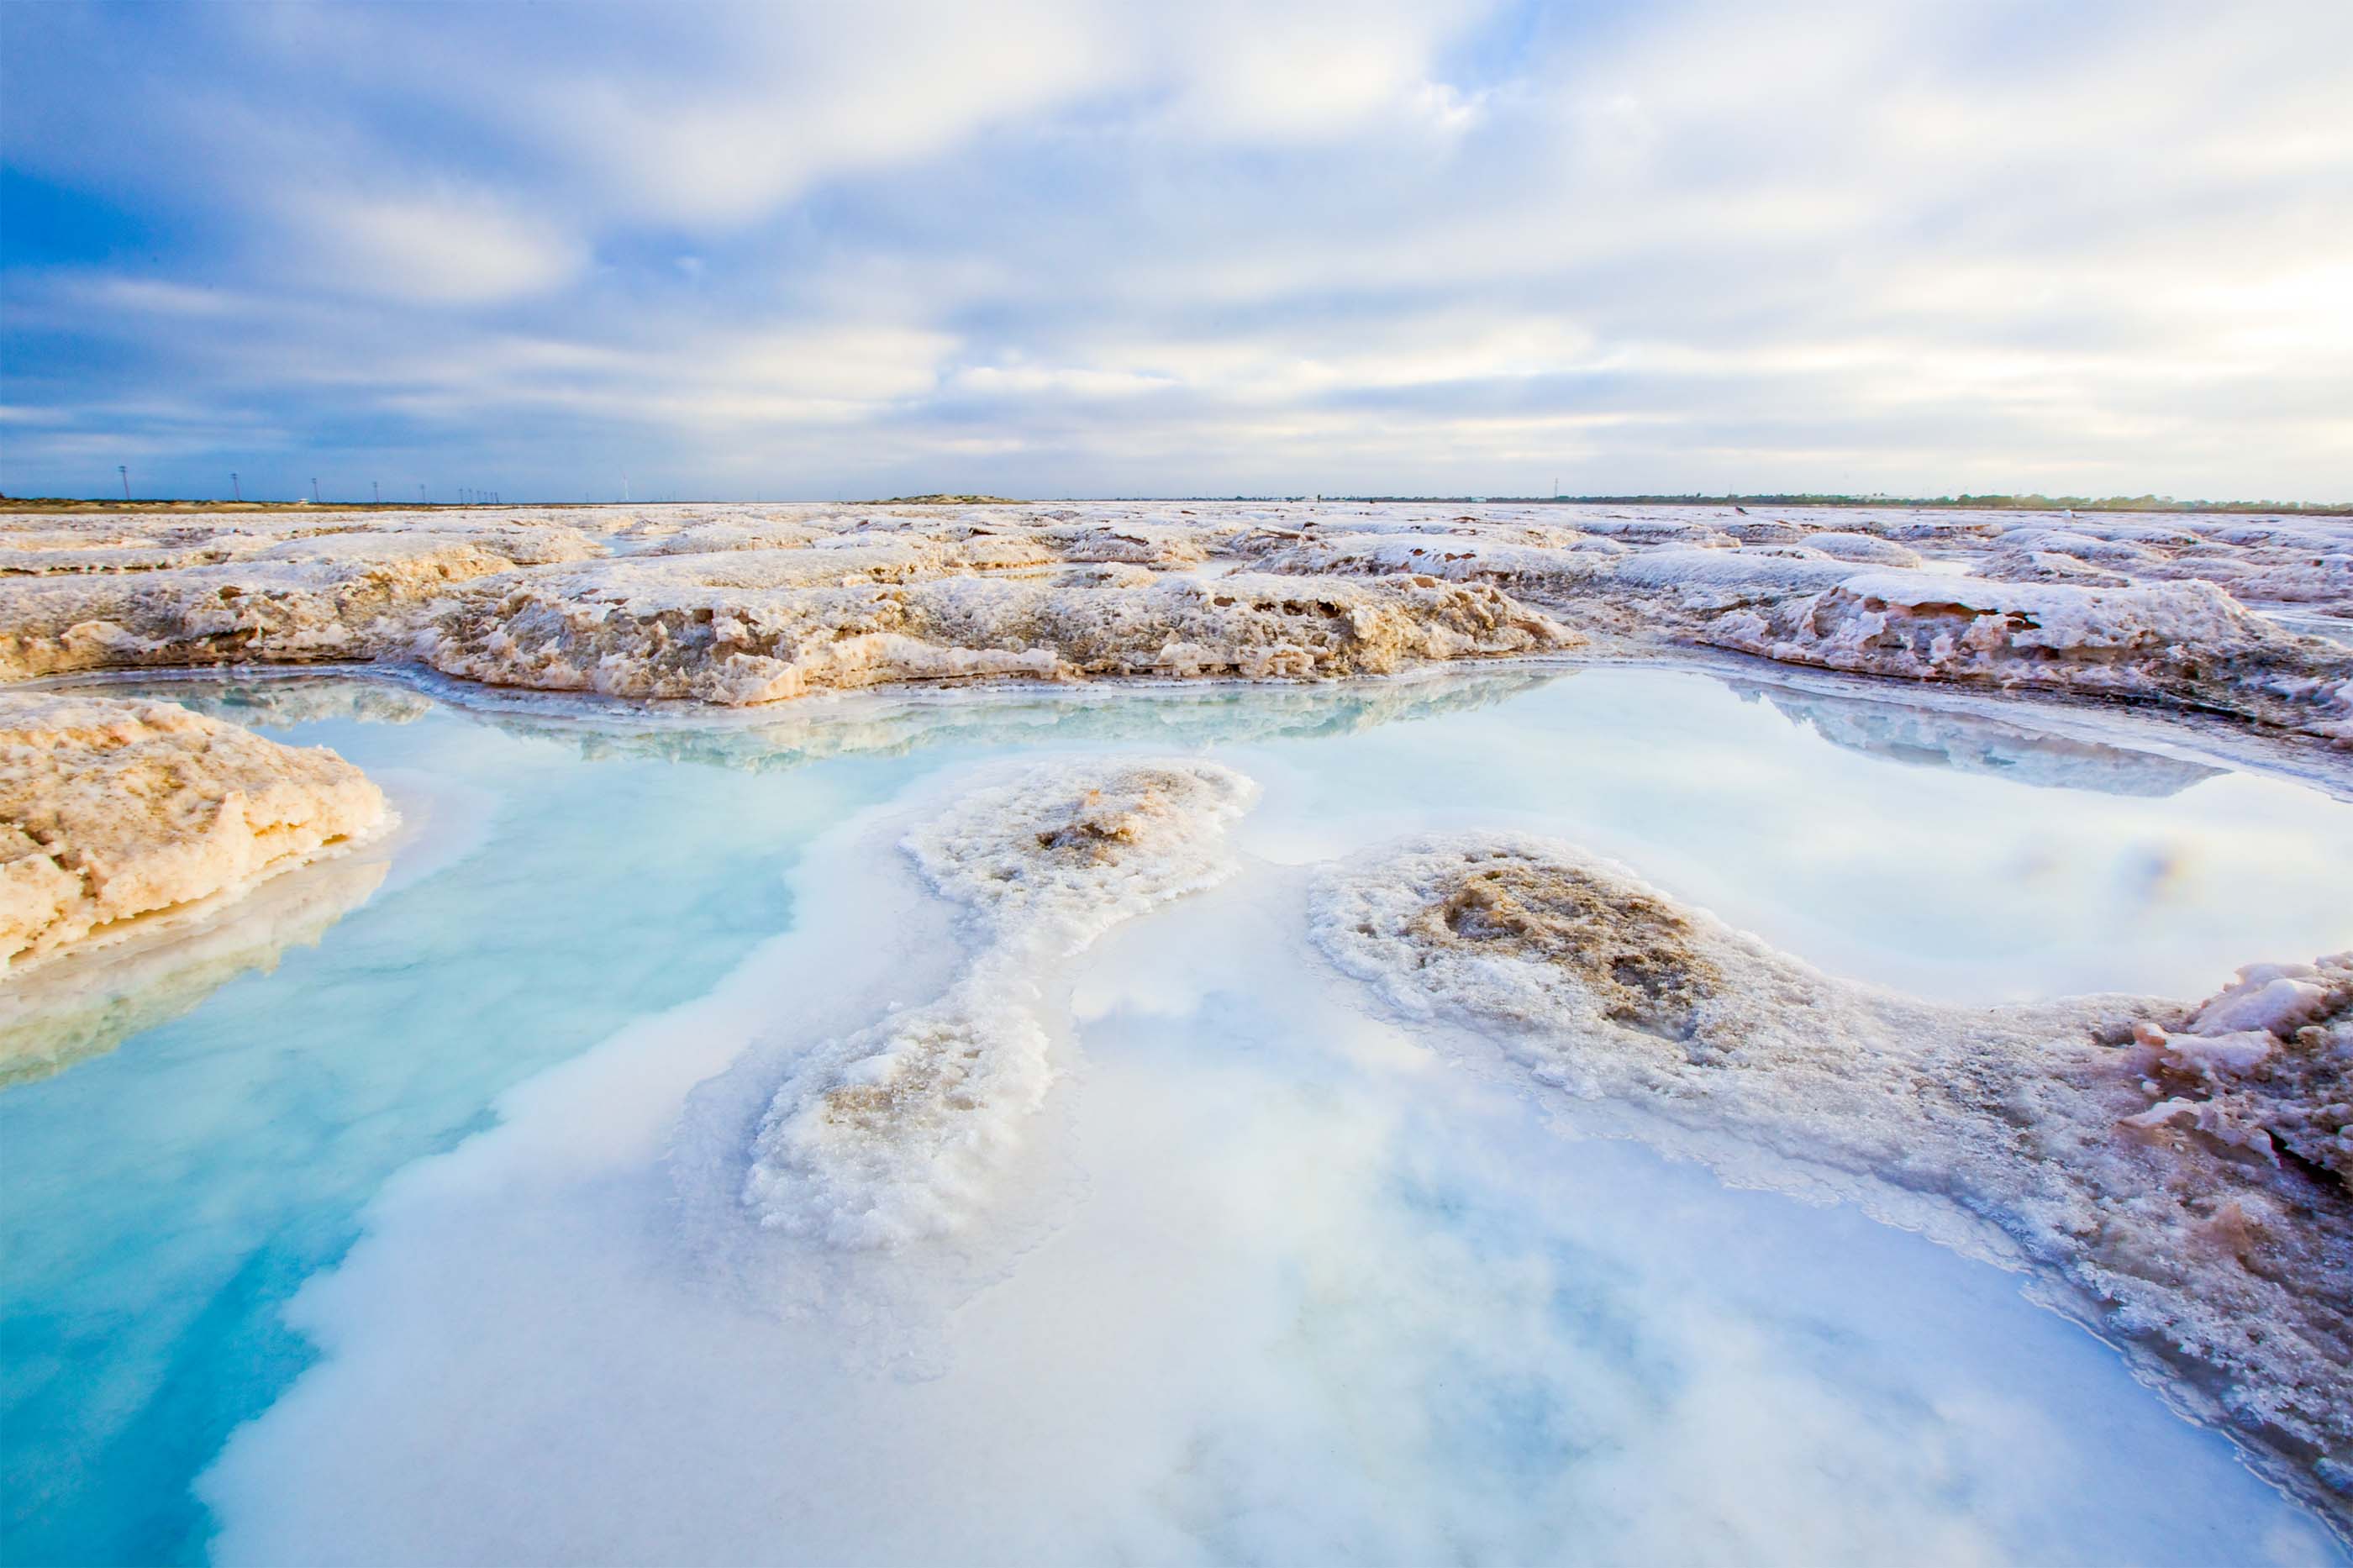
113 809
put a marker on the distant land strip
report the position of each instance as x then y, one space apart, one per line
1916 503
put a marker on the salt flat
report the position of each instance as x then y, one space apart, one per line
753 603
1382 958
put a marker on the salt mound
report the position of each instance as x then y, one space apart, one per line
113 809
2266 1064
2188 644
747 604
636 635
890 1133
340 596
2184 1173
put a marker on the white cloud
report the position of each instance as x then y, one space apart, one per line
1295 243
435 249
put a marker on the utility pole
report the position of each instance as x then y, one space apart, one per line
125 469
232 486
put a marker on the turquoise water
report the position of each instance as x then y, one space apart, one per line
164 1200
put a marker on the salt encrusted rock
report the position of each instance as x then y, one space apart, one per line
890 1134
111 810
2188 644
719 642
2266 1064
1537 570
1791 584
2186 1173
336 597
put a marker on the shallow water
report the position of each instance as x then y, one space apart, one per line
1282 1280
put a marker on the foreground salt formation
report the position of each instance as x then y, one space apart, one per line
111 810
743 604
2185 1173
888 1134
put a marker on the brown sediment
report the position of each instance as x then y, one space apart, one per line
2181 1171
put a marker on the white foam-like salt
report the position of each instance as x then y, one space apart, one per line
890 1132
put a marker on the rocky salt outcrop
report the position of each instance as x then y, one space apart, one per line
2185 644
717 641
345 596
890 1133
2182 1172
113 810
745 604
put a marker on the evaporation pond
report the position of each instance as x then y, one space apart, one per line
352 1225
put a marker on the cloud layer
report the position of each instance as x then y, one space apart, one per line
1061 249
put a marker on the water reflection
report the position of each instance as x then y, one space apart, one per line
1977 743
85 1003
892 725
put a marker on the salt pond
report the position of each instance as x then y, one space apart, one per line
1274 1278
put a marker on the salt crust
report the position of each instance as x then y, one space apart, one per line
890 1134
2055 625
739 643
740 604
2183 1170
111 810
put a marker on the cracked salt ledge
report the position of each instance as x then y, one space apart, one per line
750 604
117 815
1436 1338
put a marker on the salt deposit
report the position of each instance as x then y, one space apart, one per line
740 644
111 810
742 604
889 1133
2182 1173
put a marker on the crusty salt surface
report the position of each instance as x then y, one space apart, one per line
753 603
889 1133
113 809
1319 1297
2186 1172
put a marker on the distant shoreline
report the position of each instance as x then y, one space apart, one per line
1906 503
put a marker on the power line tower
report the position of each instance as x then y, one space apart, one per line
233 489
376 490
125 469
314 490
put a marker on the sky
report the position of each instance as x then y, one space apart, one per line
1045 248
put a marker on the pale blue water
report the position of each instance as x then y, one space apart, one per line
161 1202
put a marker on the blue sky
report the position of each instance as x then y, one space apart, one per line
1048 248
